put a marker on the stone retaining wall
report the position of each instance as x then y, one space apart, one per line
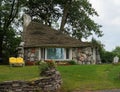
50 83
18 86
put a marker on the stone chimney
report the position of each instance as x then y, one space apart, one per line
26 20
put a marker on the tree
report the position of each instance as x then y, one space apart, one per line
8 12
107 57
75 16
98 44
11 42
43 11
116 51
101 49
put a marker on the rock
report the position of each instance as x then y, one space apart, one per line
51 82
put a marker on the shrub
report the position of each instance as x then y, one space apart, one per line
72 62
29 63
50 63
37 62
107 57
47 65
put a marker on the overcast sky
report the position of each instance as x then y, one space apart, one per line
109 18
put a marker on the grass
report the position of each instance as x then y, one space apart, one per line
18 73
90 77
75 77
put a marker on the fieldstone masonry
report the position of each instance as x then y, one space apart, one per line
18 86
51 82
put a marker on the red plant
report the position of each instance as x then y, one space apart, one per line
30 63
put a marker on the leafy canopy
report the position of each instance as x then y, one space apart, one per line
8 19
73 16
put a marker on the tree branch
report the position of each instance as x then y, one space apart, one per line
65 13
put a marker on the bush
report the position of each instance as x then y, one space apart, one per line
72 62
107 57
37 62
46 66
29 63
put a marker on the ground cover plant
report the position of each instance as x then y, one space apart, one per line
75 77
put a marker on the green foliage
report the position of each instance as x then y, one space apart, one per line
79 18
116 51
46 65
97 43
77 77
43 10
9 39
12 41
43 66
107 57
75 15
72 62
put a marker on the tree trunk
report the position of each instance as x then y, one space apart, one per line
65 14
1 48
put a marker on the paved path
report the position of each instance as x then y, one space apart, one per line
112 90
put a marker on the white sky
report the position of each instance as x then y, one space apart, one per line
109 18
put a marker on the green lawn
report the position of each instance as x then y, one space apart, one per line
18 73
81 77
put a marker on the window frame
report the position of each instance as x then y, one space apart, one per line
62 55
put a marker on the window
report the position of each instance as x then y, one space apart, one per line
55 53
42 53
67 53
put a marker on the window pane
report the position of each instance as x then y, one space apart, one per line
55 53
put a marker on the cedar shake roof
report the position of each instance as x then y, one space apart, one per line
39 35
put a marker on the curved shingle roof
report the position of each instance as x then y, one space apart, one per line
39 35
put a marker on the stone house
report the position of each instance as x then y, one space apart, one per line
44 43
